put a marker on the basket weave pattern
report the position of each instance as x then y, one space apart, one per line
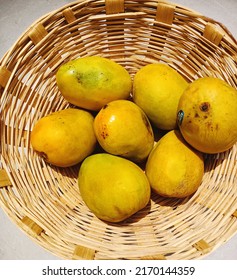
44 201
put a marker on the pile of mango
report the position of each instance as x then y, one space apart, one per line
152 132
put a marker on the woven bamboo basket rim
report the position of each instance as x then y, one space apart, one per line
44 201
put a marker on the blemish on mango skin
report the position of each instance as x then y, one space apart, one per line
205 106
79 78
104 132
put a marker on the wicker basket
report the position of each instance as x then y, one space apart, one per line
44 201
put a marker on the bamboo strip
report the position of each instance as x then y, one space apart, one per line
4 179
4 75
31 226
165 13
212 33
69 15
83 253
37 33
154 257
201 245
235 213
114 6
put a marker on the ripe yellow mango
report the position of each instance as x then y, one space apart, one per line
91 82
64 138
207 115
157 89
112 187
174 168
123 129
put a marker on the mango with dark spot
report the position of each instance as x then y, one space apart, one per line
209 115
123 129
204 107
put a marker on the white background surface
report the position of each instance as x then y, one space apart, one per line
15 17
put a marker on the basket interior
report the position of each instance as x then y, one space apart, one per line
44 200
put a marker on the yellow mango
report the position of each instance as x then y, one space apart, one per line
207 115
91 82
123 129
157 89
112 187
64 138
174 168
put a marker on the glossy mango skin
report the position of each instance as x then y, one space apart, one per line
156 89
64 138
91 82
207 115
112 187
123 129
174 168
